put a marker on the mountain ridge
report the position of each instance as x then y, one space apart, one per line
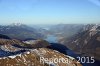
20 31
86 42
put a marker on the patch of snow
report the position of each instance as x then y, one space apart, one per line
3 58
14 56
29 41
71 57
28 52
16 24
56 51
94 28
46 28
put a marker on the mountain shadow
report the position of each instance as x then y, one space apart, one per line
4 36
59 47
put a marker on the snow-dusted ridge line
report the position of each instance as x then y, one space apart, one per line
14 56
32 50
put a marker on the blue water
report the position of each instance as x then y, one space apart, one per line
51 39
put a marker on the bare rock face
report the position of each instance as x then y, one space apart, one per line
38 57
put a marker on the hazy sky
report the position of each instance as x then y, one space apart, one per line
49 11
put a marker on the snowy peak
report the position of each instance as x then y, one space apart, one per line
91 27
16 24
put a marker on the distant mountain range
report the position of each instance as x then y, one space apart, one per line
65 30
61 30
20 31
